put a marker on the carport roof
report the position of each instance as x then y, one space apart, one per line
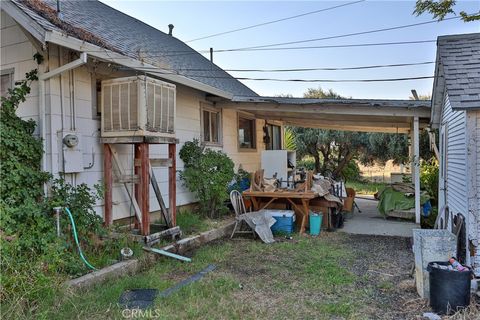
370 115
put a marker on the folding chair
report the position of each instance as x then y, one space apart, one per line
239 207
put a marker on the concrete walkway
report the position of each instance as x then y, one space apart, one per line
371 222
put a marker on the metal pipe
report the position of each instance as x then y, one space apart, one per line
57 211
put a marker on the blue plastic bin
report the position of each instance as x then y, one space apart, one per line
285 221
315 223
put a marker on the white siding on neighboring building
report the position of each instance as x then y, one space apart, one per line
17 53
477 226
456 157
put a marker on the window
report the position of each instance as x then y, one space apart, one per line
211 126
273 137
6 81
246 133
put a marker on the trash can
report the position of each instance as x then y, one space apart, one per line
315 223
449 290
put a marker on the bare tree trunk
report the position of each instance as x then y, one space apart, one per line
346 159
317 162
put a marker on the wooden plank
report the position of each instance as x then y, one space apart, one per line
138 212
139 139
281 194
172 183
158 194
127 178
145 188
156 162
155 237
108 181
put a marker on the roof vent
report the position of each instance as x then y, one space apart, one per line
59 10
170 29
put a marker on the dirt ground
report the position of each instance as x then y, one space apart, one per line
384 264
383 286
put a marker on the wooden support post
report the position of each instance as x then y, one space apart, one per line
172 183
145 187
416 168
108 181
138 186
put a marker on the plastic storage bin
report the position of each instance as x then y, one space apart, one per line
315 223
285 221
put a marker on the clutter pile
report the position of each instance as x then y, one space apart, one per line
398 200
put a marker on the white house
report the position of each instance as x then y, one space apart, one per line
85 42
456 113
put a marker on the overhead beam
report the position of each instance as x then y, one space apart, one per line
337 109
359 128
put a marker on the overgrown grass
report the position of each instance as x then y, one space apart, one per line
292 279
366 188
191 222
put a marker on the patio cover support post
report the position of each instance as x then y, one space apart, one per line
172 183
416 167
107 175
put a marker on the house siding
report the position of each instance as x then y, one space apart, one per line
17 53
248 159
72 108
476 224
456 154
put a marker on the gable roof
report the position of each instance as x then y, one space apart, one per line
457 72
136 39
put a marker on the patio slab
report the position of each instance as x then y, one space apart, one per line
371 222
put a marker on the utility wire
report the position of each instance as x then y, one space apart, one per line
274 21
294 69
326 46
295 80
345 35
173 53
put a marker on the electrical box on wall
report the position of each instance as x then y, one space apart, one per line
70 152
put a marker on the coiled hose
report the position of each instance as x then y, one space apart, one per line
74 230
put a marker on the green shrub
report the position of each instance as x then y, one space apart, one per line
207 174
429 177
351 172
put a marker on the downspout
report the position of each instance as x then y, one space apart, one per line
41 106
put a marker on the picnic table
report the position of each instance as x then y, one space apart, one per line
300 201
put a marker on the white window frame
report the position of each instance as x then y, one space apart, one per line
211 109
11 73
251 118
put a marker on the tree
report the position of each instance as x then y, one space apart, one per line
334 150
439 9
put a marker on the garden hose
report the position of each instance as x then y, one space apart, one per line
74 230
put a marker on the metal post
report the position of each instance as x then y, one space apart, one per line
57 211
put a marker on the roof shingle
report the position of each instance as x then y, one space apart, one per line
459 56
138 40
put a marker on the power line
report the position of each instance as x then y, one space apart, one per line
327 46
296 69
344 35
274 21
173 53
295 80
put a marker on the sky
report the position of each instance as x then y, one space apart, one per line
194 19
